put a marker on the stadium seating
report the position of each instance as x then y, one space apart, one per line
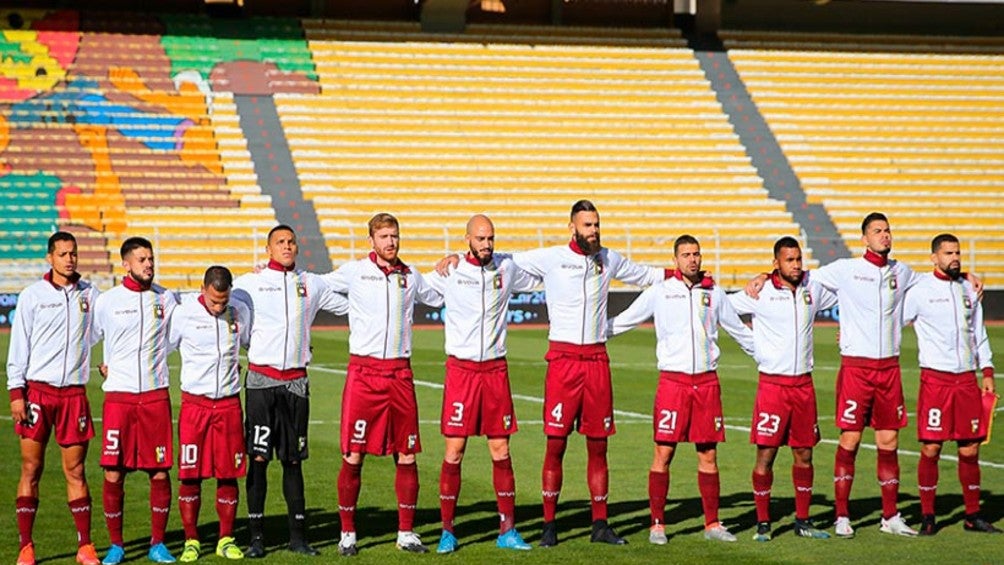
519 122
906 125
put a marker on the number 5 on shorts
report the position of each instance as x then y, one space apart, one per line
111 440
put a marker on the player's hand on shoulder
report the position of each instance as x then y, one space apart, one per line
444 264
977 285
103 370
755 285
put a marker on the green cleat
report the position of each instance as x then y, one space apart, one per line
227 549
191 552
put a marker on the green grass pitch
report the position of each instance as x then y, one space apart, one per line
633 358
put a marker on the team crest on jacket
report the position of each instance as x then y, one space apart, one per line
808 298
706 300
598 265
301 290
893 284
234 328
85 306
967 303
507 421
402 281
158 311
161 452
497 281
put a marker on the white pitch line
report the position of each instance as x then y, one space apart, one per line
638 415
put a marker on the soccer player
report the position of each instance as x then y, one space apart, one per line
953 344
578 393
476 396
284 301
784 412
688 308
133 319
48 366
210 330
379 410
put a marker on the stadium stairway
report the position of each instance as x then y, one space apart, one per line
273 163
765 152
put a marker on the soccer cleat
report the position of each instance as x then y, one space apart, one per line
347 545
657 535
719 533
410 542
805 529
928 525
159 554
303 548
762 532
114 556
191 552
447 543
256 550
227 548
512 540
549 536
86 555
27 555
603 533
896 525
975 523
842 527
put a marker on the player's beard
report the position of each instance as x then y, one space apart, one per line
587 247
141 279
484 260
954 271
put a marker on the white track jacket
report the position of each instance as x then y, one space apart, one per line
210 346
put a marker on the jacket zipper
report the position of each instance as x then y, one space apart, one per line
386 331
794 311
955 318
585 276
484 320
693 348
139 350
285 337
66 347
219 354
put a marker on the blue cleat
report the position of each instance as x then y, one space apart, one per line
115 555
512 540
159 554
447 543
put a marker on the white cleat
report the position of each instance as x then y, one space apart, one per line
896 525
719 533
657 535
842 527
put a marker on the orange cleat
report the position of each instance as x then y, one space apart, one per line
86 555
27 555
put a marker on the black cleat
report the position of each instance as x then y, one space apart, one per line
302 548
549 536
976 523
603 533
256 550
928 526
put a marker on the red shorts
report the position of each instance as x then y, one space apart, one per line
379 410
870 393
688 408
784 412
137 431
949 406
577 391
211 438
477 399
64 408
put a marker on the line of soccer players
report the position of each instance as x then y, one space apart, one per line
270 312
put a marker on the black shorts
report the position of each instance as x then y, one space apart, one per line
276 419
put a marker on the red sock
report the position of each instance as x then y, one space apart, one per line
802 478
711 488
658 490
80 509
27 507
969 476
160 506
349 481
551 476
449 491
761 494
598 477
843 480
927 483
189 504
888 477
505 493
406 485
227 495
112 496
